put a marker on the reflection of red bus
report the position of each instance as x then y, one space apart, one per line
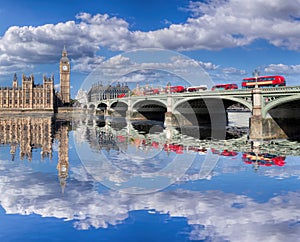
263 159
263 81
196 88
229 86
224 152
174 147
175 89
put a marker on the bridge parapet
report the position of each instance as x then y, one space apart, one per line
281 89
270 97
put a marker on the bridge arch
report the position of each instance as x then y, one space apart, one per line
151 109
278 102
140 102
233 99
92 106
102 106
239 100
119 108
117 101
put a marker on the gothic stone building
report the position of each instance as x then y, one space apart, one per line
99 92
28 96
37 97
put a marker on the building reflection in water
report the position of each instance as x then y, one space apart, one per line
63 157
30 133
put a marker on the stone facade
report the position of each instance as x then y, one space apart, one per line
99 92
64 70
29 96
32 97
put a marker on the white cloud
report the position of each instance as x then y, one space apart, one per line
214 25
282 69
137 78
57 87
232 70
240 22
242 219
208 65
150 65
87 63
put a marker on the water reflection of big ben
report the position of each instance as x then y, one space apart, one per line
63 156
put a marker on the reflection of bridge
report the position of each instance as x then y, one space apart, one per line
120 138
274 110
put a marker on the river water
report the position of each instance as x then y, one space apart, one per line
83 180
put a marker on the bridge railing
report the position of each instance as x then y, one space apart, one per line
284 90
278 89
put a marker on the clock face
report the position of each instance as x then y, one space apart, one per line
65 68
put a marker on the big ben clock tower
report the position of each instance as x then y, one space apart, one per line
64 77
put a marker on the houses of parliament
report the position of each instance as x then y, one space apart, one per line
32 97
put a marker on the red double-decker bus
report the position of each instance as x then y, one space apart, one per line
152 91
121 95
174 89
229 86
264 81
196 88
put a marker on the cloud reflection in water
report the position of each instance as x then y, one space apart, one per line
212 214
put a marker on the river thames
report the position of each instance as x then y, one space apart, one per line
82 179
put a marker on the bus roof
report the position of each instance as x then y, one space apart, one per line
261 77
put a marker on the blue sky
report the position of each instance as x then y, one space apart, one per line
228 38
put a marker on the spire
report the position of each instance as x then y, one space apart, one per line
62 182
64 52
64 55
15 81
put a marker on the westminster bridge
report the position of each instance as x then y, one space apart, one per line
275 111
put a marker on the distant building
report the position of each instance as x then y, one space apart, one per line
99 92
30 96
82 96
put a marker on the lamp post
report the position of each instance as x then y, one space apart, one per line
256 75
169 87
